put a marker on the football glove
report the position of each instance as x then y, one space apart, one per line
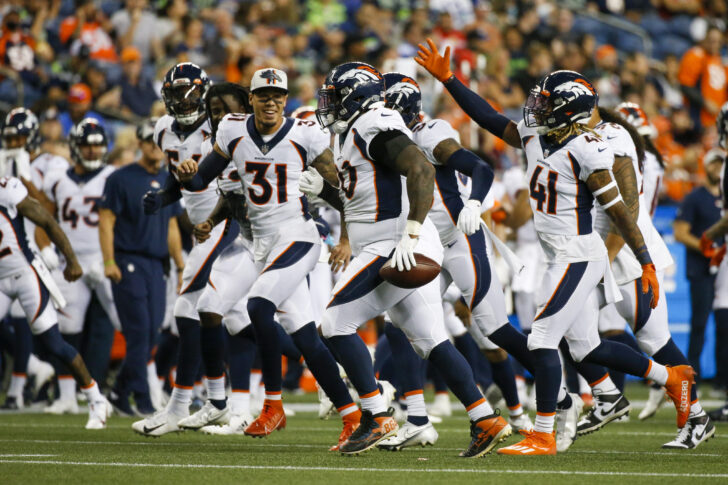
469 218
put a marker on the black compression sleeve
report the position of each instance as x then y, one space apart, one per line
171 190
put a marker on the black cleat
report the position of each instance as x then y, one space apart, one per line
606 409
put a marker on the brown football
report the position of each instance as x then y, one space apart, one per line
425 271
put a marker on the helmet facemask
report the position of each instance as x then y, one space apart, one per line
185 101
329 110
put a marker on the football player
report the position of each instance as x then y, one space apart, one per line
568 167
373 150
74 195
458 221
714 246
270 152
25 278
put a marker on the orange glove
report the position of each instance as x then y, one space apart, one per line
718 256
706 246
430 59
649 280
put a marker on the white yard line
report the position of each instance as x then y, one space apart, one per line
24 455
354 469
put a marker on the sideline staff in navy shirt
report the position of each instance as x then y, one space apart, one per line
136 248
699 210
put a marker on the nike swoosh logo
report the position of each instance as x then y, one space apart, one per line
606 412
611 137
431 124
149 430
601 149
384 116
700 435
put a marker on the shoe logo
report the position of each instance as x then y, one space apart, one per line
607 411
389 426
684 396
149 430
699 436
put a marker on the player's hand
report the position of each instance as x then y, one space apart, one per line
186 170
717 258
50 258
340 256
152 202
180 272
112 272
73 271
311 182
707 247
403 257
649 282
430 59
469 218
202 231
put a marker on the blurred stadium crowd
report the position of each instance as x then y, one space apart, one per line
67 59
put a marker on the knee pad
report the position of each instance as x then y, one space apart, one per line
186 305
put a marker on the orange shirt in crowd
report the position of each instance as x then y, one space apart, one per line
697 66
17 51
92 35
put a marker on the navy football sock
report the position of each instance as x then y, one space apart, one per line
354 357
409 368
456 372
261 312
671 355
721 349
620 357
189 357
481 368
505 379
438 381
242 355
56 346
322 365
22 344
288 346
625 338
515 343
548 379
212 341
382 351
166 353
589 371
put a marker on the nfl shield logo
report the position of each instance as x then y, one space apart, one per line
264 149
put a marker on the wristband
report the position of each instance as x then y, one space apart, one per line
109 262
413 228
643 255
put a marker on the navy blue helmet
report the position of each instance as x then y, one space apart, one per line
350 89
88 132
558 100
722 125
183 92
403 95
22 122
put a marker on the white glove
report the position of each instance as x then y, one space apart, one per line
311 182
404 254
469 218
50 258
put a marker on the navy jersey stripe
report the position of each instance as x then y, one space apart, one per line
387 184
584 200
481 265
290 256
302 153
233 145
19 230
361 283
564 290
447 185
258 140
45 296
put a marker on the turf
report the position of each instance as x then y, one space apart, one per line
56 449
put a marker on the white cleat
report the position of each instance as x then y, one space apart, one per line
566 423
388 392
521 423
697 430
160 423
326 407
441 405
207 415
43 373
98 414
434 419
62 406
236 426
410 435
654 401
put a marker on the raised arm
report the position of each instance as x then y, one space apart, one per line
474 106
31 208
605 190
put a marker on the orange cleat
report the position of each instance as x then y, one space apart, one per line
485 434
535 443
271 418
680 380
351 422
588 400
372 429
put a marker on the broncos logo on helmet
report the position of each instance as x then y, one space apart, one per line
635 116
350 89
88 132
558 100
22 122
183 92
403 95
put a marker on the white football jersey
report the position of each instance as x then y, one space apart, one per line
76 198
451 186
45 164
651 181
370 192
270 167
15 253
560 199
178 146
626 268
514 180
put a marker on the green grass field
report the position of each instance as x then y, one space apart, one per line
50 449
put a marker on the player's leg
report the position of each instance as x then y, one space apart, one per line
34 297
720 305
14 345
